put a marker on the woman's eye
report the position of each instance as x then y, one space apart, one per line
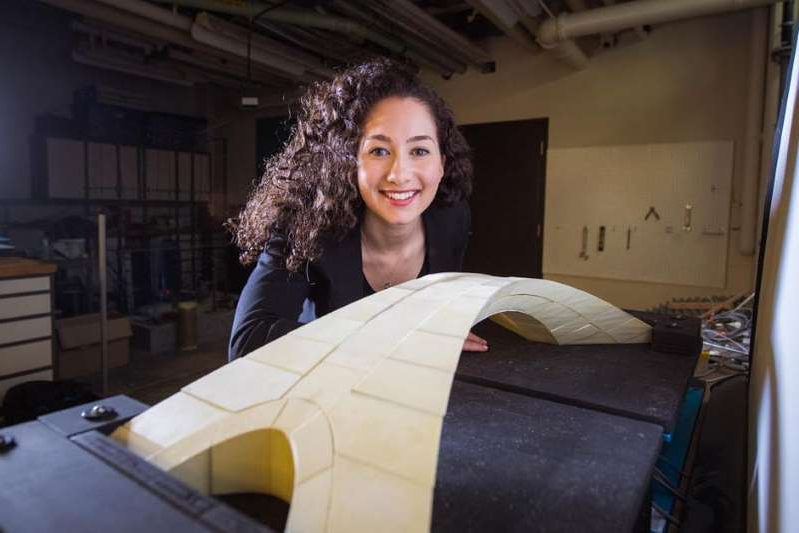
378 151
420 151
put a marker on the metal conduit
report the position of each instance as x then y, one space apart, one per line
618 17
310 19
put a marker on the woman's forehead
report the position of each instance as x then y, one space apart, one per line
399 118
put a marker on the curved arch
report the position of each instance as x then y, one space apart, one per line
360 395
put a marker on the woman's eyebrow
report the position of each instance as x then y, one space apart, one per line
417 138
379 137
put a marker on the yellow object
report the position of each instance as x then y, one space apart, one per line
187 326
342 417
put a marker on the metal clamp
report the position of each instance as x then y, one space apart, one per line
99 412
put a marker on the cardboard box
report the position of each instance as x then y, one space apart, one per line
155 338
80 351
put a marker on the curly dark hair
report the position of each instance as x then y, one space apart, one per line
309 189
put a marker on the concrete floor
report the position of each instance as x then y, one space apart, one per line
151 378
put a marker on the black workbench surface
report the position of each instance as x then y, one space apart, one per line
540 437
631 380
509 462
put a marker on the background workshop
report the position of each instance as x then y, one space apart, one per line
640 151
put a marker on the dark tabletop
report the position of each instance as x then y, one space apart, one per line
631 380
509 462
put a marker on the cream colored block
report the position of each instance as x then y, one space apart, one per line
297 412
600 337
196 472
242 384
310 438
331 330
631 331
525 326
429 349
360 354
141 446
368 499
389 381
258 417
259 461
430 279
226 428
326 384
398 439
348 409
456 319
380 336
309 504
291 353
610 318
173 418
367 308
483 291
530 305
445 291
578 334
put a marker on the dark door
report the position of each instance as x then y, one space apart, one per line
508 198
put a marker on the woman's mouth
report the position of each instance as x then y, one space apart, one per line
400 198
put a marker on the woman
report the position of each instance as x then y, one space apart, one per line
370 191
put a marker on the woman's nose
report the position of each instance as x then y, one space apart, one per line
400 170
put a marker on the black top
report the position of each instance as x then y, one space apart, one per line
368 290
275 301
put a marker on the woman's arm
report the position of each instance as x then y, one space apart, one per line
269 306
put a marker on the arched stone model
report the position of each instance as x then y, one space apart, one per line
342 417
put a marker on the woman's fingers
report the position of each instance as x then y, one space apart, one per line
473 343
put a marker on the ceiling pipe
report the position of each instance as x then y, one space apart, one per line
119 64
233 36
309 19
631 14
402 11
204 35
308 40
567 50
434 57
103 12
109 35
507 24
149 11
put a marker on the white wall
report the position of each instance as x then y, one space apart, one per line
685 82
39 77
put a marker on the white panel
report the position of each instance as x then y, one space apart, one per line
22 330
65 168
102 170
14 286
614 187
35 304
5 384
22 357
129 171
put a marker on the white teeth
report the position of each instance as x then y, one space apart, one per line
400 195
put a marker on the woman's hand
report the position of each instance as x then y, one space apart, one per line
473 343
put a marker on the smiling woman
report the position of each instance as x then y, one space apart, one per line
369 191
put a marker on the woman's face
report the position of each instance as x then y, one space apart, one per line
399 161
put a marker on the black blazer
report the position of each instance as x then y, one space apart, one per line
274 299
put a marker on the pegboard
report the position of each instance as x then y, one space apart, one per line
616 187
